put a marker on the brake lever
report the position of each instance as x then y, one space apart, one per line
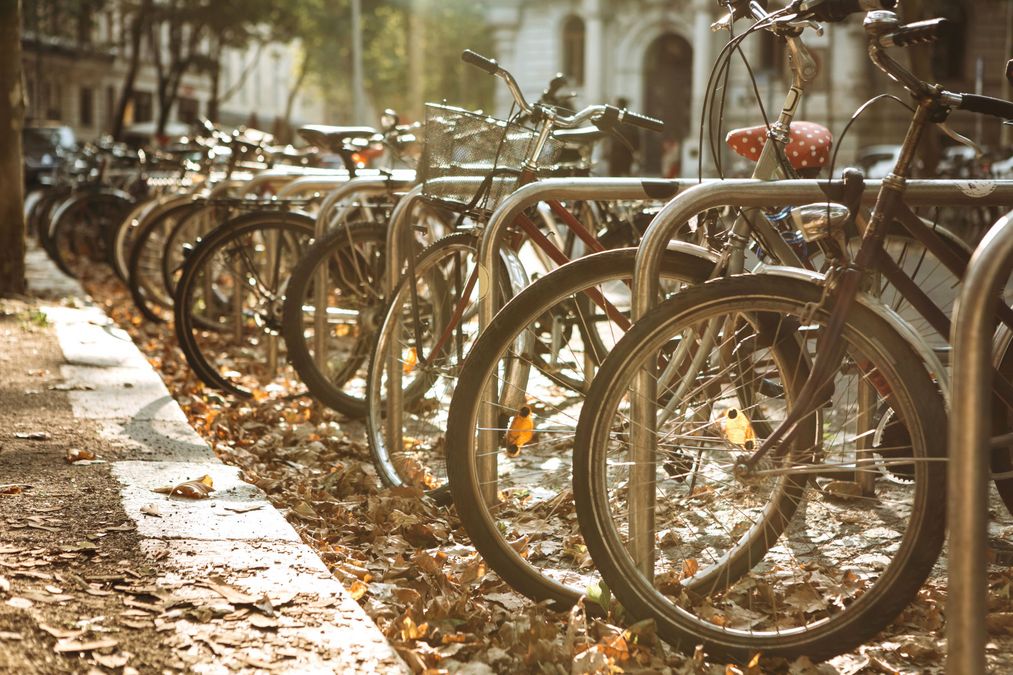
963 140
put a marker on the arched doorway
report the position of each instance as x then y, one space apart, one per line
668 87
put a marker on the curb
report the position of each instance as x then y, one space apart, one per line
237 534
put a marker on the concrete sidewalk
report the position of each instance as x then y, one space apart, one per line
234 548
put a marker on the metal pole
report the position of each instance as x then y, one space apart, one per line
358 89
398 240
970 429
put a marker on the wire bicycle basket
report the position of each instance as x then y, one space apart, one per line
471 161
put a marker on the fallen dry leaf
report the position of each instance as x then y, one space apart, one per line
200 488
32 435
65 646
151 510
14 488
78 454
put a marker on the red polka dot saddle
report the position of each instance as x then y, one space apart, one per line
809 146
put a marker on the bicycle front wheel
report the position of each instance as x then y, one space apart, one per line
229 299
332 307
809 550
513 493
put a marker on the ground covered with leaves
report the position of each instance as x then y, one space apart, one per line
408 563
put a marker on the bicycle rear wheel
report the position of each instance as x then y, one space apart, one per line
811 552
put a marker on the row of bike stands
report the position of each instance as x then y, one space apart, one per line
974 319
399 238
749 193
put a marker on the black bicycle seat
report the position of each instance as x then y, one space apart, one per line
334 138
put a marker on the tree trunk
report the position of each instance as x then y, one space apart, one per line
136 33
217 50
12 182
304 70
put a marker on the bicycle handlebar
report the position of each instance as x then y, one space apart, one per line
920 32
473 58
986 105
590 113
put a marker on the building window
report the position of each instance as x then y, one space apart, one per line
87 111
188 110
54 104
110 107
143 107
573 49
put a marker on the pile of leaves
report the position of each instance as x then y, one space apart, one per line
408 563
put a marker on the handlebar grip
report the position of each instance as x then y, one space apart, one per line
839 10
488 65
642 121
986 105
920 32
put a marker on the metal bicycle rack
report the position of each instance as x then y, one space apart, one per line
970 429
598 189
335 209
741 193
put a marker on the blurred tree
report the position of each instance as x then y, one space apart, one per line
401 73
12 112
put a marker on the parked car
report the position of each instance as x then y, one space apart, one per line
44 147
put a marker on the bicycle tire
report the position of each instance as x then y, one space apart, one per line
423 466
144 277
295 231
911 390
336 248
489 532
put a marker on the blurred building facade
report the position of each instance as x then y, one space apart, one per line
75 66
658 55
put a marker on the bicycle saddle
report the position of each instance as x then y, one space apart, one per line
334 138
581 136
808 147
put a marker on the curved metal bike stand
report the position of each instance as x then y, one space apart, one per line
284 176
742 193
598 189
308 185
970 430
336 207
361 185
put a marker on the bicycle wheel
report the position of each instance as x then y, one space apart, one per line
187 230
144 265
429 347
229 300
123 237
525 528
82 230
343 273
789 558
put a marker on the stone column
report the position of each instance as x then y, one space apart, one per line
703 58
504 20
594 52
848 83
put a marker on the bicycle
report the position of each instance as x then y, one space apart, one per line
430 320
513 507
778 400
